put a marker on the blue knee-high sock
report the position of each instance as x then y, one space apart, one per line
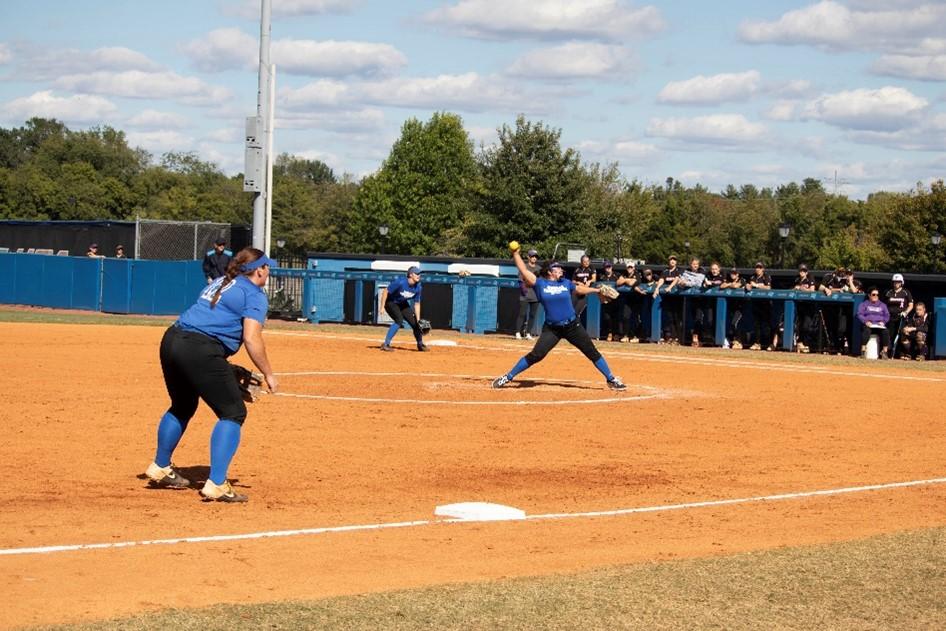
521 365
391 331
602 367
170 430
223 444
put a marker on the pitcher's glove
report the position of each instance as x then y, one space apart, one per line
250 383
607 293
424 326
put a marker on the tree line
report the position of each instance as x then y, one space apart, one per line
438 194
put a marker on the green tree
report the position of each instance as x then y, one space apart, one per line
423 190
533 191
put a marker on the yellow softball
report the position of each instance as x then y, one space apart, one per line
513 246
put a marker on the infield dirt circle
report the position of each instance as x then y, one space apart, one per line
360 438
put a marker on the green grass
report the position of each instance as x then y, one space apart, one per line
889 582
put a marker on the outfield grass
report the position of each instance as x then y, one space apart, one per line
888 582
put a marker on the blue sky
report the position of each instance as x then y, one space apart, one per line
849 91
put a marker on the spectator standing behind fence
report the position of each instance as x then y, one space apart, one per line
120 252
217 260
874 317
583 275
714 280
695 277
612 321
913 336
93 252
761 309
733 331
805 316
528 303
899 303
644 294
670 322
631 303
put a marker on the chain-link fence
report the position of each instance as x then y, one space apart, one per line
285 292
177 240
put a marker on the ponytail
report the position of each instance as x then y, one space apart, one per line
244 256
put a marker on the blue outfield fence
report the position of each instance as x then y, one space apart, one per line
168 287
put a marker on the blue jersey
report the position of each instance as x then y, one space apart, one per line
400 291
239 299
556 297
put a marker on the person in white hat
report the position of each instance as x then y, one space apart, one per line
899 303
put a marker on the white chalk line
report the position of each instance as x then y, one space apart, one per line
643 356
653 393
428 522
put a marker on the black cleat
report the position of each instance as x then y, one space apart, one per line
615 383
499 382
387 347
423 348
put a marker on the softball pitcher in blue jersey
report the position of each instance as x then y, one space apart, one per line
401 300
561 321
230 312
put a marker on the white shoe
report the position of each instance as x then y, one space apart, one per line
518 335
528 336
725 343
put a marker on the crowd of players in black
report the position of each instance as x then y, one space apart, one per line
819 327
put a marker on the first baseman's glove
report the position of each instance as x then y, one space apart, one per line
607 293
424 326
251 383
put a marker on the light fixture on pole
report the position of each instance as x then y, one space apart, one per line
383 230
784 229
686 246
936 238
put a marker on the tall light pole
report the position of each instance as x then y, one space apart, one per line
784 229
258 135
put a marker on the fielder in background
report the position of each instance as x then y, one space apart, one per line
230 312
217 260
555 294
397 299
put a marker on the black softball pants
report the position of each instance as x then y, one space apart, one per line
404 313
572 332
195 367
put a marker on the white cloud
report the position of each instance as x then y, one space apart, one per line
625 152
153 119
720 88
161 141
910 35
225 135
362 120
336 59
250 9
792 89
574 60
5 54
884 109
782 111
40 64
230 48
716 129
80 108
926 68
613 20
146 85
223 49
469 92
927 135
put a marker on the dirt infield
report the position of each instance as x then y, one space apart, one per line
376 441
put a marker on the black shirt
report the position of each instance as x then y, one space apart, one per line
805 283
669 274
897 301
583 275
922 324
713 281
764 279
215 265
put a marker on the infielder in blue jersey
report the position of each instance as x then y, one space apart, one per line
230 312
561 321
401 300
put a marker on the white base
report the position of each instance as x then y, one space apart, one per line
479 511
440 343
872 350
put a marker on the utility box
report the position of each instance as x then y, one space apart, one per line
253 157
939 322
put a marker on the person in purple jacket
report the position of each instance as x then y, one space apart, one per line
874 315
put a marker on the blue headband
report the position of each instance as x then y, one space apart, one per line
260 262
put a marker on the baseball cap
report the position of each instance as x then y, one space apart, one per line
759 264
802 268
220 241
554 264
897 278
94 245
672 257
608 264
533 253
413 269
